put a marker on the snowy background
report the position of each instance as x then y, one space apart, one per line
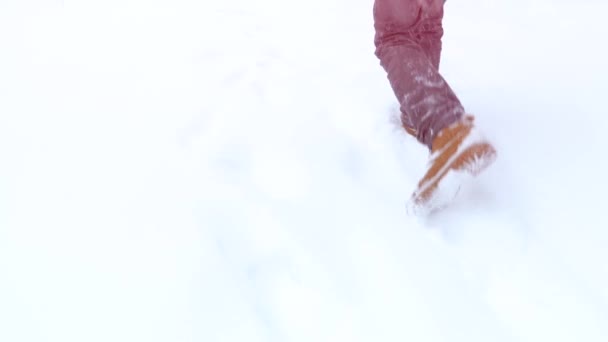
231 171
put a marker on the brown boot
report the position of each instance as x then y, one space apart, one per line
459 150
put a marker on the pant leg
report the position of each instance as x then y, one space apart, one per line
408 44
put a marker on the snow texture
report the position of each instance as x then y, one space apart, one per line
231 171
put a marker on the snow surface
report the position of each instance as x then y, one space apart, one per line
231 171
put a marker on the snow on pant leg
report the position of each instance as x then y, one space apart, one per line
408 44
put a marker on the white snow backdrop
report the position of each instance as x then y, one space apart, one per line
231 171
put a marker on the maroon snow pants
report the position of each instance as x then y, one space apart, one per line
408 44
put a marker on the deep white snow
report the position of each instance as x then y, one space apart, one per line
194 170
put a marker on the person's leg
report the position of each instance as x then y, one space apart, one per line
408 44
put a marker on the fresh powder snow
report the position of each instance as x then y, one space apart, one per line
234 171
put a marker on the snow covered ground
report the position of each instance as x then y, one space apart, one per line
231 171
